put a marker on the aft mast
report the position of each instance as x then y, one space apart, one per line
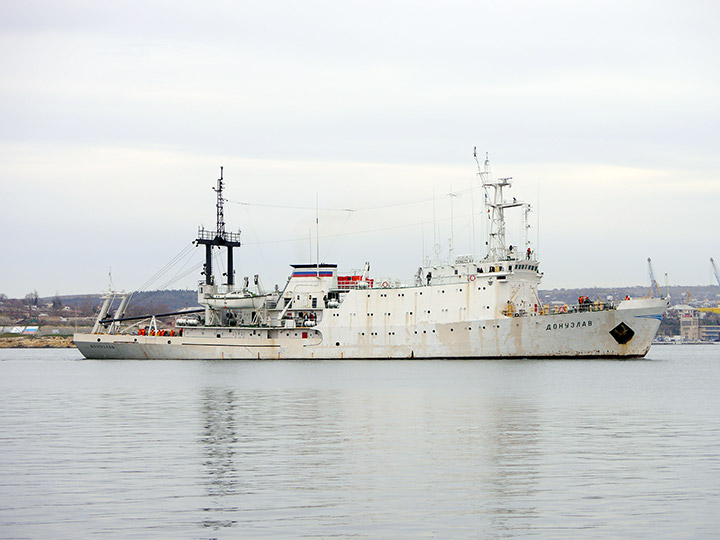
218 237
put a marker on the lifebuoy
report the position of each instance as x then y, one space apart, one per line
385 284
471 278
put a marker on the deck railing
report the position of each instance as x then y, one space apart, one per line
564 309
205 234
579 308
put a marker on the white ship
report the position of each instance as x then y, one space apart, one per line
465 308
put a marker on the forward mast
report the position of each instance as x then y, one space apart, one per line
495 203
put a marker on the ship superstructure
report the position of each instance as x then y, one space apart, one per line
463 308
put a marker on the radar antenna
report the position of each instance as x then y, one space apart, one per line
220 211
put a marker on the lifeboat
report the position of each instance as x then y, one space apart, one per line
236 300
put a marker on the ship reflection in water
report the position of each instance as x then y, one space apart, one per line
321 460
266 452
218 440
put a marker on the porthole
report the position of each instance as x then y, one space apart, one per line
337 343
169 342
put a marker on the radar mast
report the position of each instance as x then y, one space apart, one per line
219 237
496 204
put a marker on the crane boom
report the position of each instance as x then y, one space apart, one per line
654 289
715 270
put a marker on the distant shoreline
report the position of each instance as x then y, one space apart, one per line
37 342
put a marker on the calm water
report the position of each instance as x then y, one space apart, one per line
408 449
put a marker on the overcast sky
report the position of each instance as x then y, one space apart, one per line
115 118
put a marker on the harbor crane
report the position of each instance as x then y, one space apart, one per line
715 270
654 288
717 277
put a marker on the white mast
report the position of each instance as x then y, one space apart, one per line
526 226
496 205
452 228
472 214
436 243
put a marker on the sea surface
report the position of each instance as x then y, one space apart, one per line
350 449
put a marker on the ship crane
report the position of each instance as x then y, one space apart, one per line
654 288
715 270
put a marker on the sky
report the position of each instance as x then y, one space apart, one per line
115 118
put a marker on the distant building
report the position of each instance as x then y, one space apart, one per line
689 322
690 327
709 333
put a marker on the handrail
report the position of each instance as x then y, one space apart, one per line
582 308
205 234
564 309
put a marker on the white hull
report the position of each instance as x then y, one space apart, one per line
572 335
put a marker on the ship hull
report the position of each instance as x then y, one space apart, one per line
573 335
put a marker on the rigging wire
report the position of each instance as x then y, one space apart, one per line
182 255
290 207
182 271
176 278
165 268
257 242
350 210
188 259
355 233
335 237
